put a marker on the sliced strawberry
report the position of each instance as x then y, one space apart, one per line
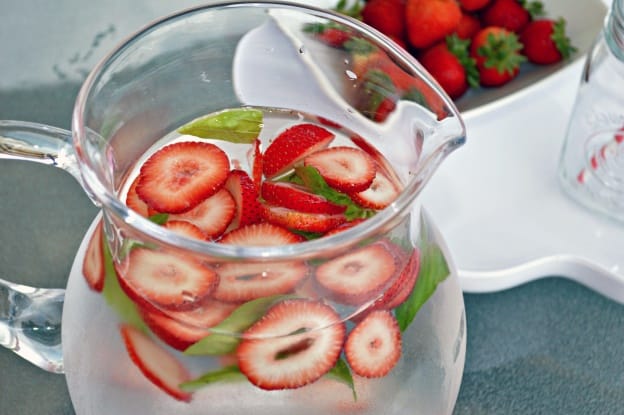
158 365
347 169
179 176
344 226
358 276
304 341
261 234
294 196
301 221
379 194
292 146
93 263
256 160
180 329
212 216
134 202
245 194
165 280
373 347
406 282
245 281
185 228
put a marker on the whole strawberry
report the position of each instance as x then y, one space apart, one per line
512 15
430 21
545 41
497 54
387 16
469 25
450 64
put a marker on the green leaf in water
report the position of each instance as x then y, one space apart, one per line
116 297
159 218
341 373
315 182
226 374
433 270
221 339
238 125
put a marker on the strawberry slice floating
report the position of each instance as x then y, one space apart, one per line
134 202
358 276
298 197
212 216
165 280
185 228
93 263
239 282
311 348
292 146
180 329
179 176
379 195
158 365
245 194
373 347
346 169
261 234
302 221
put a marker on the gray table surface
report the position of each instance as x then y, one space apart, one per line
548 347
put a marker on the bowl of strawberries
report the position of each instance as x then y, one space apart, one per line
485 52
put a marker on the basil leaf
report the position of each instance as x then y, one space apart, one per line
222 340
315 182
159 218
227 374
433 270
341 373
239 125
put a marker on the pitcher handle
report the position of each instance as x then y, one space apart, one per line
30 318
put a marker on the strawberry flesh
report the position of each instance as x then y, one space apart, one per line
297 197
212 216
345 169
358 276
93 263
379 195
245 194
292 345
302 221
373 347
158 365
261 234
179 176
292 146
185 228
165 280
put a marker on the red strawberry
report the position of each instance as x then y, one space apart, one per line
430 21
473 5
468 26
387 16
179 176
165 280
344 226
346 169
512 15
134 202
261 234
297 197
255 161
309 344
545 41
212 216
381 162
292 146
185 228
245 194
403 284
383 110
93 263
180 329
373 347
245 281
358 276
379 195
450 64
158 365
333 36
302 221
497 54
